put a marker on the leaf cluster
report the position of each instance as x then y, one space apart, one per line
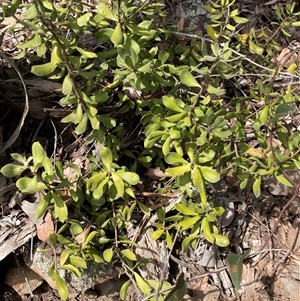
195 119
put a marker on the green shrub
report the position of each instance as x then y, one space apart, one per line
191 126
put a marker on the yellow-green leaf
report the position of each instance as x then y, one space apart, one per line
27 185
199 184
61 287
38 154
108 254
129 254
142 284
106 157
178 171
67 85
56 56
12 170
189 80
78 262
124 288
117 35
211 175
221 240
44 69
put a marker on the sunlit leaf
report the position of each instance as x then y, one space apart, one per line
108 254
106 157
12 170
142 284
129 254
44 69
78 261
188 79
124 288
117 35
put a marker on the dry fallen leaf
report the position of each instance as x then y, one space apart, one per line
45 229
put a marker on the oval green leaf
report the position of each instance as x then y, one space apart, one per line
189 80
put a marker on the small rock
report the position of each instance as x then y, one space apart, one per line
15 278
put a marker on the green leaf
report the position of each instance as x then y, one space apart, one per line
283 180
117 35
205 227
178 292
178 171
190 149
175 117
38 154
30 13
60 208
169 240
86 54
105 12
239 20
27 185
129 177
264 115
65 255
108 254
188 79
42 206
254 48
129 254
56 56
72 269
106 157
171 103
142 284
18 157
84 19
283 110
199 184
124 288
166 146
221 240
78 114
81 127
188 222
236 267
94 181
157 234
61 286
12 170
69 118
67 85
256 187
118 184
78 262
89 238
100 190
144 208
215 91
174 159
186 242
211 175
185 210
44 69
